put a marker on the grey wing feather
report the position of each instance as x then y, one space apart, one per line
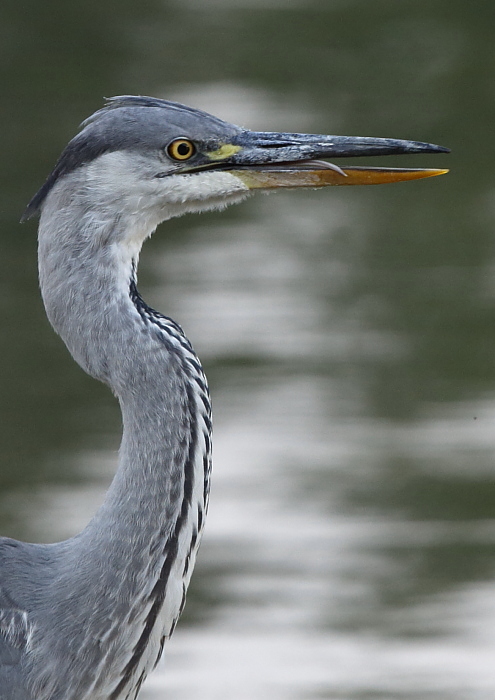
15 634
21 575
14 641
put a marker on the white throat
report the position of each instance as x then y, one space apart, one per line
124 182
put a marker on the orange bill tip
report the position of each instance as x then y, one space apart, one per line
272 179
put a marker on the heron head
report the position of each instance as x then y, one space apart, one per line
144 155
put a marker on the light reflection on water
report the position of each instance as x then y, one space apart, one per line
348 337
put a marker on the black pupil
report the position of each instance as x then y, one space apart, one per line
183 149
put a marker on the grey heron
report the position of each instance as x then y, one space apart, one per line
87 618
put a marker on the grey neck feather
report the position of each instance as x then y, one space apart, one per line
152 517
86 268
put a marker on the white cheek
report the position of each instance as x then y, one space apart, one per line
120 182
180 189
198 192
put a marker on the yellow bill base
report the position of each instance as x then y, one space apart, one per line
271 179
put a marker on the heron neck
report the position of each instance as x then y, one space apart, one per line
159 492
131 565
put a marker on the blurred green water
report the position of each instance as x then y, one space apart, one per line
369 311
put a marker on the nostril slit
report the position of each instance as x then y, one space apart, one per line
278 145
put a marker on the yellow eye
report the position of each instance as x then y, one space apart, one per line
181 149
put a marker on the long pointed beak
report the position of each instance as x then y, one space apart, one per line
267 160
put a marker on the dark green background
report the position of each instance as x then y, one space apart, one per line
406 277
